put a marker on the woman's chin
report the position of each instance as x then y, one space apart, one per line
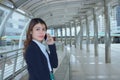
40 40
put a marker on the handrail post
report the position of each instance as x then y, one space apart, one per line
3 68
15 63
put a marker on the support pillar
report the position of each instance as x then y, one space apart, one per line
56 33
75 24
95 33
66 34
107 33
81 34
70 35
61 34
87 34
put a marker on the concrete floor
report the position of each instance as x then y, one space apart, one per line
85 66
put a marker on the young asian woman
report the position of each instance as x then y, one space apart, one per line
40 62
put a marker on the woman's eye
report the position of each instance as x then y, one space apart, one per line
40 29
44 29
37 29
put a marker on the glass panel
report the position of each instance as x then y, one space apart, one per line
3 13
51 31
118 15
101 28
63 31
84 29
59 32
68 31
78 29
73 31
13 29
115 25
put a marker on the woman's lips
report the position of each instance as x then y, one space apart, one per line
41 36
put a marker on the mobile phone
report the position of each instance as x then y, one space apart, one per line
45 36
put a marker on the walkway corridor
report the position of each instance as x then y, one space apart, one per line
84 66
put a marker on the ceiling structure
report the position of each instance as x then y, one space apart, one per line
57 12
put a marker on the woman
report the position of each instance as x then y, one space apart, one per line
40 63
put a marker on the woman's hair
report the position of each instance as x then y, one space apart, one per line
32 23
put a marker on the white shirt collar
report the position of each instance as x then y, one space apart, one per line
43 48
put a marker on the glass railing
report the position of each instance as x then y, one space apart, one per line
11 64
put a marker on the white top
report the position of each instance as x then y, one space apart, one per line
43 48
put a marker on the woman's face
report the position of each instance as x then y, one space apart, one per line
38 32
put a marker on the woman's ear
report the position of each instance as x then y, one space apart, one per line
31 32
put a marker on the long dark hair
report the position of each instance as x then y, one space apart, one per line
32 23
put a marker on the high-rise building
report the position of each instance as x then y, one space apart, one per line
118 15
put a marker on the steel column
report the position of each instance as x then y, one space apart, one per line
95 33
107 33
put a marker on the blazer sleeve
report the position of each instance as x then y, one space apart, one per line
35 65
53 56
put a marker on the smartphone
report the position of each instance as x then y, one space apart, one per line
45 36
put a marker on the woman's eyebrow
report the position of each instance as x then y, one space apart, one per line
37 27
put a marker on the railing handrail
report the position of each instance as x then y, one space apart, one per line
11 66
11 51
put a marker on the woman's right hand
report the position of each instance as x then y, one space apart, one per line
49 40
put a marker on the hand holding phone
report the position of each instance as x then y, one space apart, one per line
49 39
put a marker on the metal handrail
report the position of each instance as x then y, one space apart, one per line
11 64
11 51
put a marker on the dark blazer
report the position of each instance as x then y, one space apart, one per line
37 63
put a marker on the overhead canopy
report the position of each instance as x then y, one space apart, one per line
57 12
